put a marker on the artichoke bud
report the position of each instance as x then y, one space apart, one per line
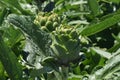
58 19
68 31
63 31
55 24
50 18
49 25
36 22
44 28
54 19
41 13
43 21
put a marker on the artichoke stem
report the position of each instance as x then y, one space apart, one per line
64 72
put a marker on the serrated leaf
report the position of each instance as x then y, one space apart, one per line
39 37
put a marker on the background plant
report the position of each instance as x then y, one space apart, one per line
59 40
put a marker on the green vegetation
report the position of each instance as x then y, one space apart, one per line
59 39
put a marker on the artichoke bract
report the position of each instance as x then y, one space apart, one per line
65 46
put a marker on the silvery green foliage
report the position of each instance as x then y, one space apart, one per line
63 43
31 31
38 41
110 71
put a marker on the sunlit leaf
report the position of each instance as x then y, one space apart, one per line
9 61
99 26
2 15
78 22
102 53
78 2
2 76
94 7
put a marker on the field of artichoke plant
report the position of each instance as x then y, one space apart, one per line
59 39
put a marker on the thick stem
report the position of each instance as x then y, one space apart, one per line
64 72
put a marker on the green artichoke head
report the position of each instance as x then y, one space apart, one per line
65 45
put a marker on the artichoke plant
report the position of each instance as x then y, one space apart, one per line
65 45
58 45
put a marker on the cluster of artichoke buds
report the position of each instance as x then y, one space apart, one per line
65 45
47 22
